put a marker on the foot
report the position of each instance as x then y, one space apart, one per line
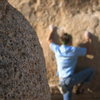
62 89
78 89
90 90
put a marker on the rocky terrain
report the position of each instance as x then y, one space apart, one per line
22 65
75 16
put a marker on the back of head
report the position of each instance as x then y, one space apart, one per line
66 38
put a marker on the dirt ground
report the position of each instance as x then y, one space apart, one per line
77 97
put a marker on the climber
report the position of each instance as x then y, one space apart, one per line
66 57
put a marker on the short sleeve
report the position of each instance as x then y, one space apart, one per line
81 51
54 47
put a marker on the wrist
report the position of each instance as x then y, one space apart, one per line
87 41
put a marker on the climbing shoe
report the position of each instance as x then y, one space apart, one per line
62 88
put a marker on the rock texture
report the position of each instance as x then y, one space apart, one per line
75 16
22 65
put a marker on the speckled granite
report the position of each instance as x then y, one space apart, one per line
22 65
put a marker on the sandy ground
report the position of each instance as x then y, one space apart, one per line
78 97
56 97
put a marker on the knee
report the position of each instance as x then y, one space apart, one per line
90 70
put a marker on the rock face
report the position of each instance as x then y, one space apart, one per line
22 65
75 16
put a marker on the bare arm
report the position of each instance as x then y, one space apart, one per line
86 41
50 38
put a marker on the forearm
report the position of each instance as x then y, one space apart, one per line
51 36
86 45
79 43
85 39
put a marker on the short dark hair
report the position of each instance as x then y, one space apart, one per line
66 38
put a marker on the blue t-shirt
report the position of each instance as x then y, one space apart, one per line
66 58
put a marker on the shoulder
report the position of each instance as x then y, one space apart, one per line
54 47
54 44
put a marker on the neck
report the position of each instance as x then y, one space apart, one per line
70 44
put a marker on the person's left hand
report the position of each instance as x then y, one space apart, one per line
87 37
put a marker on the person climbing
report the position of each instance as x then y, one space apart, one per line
66 57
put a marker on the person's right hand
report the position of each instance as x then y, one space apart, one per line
53 28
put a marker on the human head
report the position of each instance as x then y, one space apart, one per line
66 39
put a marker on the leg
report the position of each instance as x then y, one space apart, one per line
81 77
67 95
